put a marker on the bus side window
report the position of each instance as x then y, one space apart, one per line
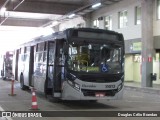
22 57
51 53
51 58
45 57
36 57
25 57
40 57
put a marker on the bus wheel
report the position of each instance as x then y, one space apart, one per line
23 87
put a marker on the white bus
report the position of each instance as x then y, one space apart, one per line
76 64
6 60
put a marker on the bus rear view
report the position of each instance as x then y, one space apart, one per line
94 65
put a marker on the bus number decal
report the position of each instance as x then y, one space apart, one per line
110 86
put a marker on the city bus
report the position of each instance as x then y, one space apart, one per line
6 60
74 64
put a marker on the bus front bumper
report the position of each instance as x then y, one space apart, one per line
70 93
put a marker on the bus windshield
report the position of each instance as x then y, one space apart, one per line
95 57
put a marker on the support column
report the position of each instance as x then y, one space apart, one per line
147 42
87 19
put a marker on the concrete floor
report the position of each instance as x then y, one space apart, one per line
133 100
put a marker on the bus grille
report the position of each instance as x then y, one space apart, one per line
100 79
93 92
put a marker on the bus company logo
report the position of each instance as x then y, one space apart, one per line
6 114
89 86
110 86
21 114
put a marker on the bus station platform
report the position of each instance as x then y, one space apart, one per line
137 86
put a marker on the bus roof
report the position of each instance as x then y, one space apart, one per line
62 34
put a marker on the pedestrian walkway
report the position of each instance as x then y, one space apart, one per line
137 86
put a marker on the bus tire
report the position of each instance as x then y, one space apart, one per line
23 87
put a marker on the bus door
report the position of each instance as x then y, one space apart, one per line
50 67
59 68
31 65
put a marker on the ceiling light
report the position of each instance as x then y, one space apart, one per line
72 15
96 5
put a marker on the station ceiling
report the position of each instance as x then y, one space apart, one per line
37 13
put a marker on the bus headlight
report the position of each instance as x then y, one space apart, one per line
77 86
74 85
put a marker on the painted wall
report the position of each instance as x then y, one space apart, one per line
132 69
132 31
156 22
137 71
128 66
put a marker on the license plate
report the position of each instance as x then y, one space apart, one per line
99 94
